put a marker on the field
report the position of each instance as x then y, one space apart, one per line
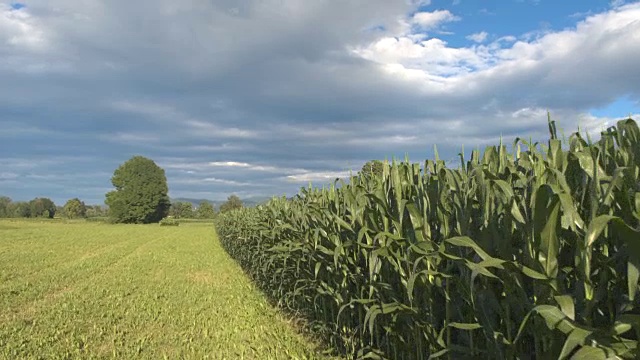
531 253
92 290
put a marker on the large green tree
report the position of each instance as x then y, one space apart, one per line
42 207
75 208
141 192
233 202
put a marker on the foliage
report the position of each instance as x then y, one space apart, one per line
372 168
169 222
20 209
38 207
5 207
96 211
206 211
92 291
530 254
42 207
74 208
233 202
181 210
140 194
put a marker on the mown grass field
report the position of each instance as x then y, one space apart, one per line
92 290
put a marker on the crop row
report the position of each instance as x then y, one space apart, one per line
533 253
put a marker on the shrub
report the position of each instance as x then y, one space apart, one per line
169 222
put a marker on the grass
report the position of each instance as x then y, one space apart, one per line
91 290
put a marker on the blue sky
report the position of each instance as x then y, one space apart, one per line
259 97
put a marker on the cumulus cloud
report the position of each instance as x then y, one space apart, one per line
260 95
431 20
588 56
478 37
21 30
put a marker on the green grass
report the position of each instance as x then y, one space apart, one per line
92 290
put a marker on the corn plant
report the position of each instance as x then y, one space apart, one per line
533 253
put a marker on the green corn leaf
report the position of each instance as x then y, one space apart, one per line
546 221
342 223
371 315
576 338
439 354
465 326
566 305
479 269
465 241
596 227
633 275
630 236
554 318
590 353
532 273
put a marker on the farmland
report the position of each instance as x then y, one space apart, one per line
528 253
92 290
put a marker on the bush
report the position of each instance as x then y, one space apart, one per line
169 222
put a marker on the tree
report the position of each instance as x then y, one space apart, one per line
372 168
206 211
181 210
96 211
75 208
20 209
42 207
141 192
5 207
233 202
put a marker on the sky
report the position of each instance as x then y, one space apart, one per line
260 97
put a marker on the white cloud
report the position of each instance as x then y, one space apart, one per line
230 164
431 20
18 28
479 37
321 176
226 182
563 57
253 167
268 94
432 56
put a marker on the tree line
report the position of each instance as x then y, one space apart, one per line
140 196
77 209
46 208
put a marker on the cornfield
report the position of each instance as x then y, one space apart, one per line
533 253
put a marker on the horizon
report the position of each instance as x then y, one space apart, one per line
259 98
